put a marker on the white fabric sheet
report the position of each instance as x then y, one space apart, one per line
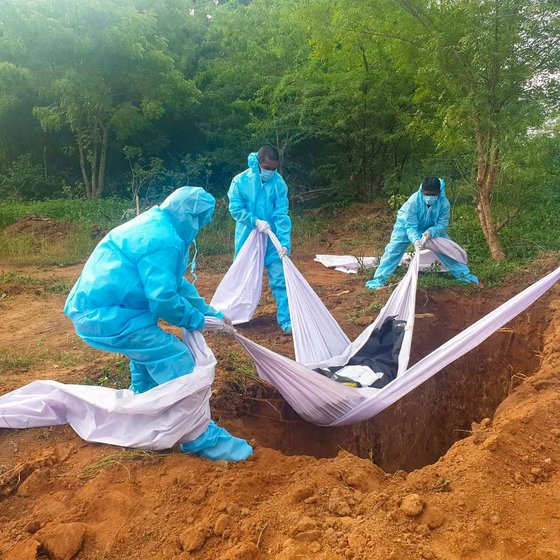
323 401
239 292
428 257
177 411
347 263
316 334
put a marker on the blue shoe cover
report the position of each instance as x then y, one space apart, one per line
374 285
286 327
468 278
217 444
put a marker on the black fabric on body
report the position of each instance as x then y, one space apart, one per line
380 353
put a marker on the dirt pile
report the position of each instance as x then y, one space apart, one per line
492 495
46 230
39 227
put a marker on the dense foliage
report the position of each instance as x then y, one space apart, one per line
363 97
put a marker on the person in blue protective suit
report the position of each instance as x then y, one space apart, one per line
258 198
134 277
423 216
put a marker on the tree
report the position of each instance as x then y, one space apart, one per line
484 70
142 172
104 72
356 98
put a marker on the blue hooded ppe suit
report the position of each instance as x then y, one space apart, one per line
134 277
413 219
250 199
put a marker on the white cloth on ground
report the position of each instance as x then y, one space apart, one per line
428 257
175 412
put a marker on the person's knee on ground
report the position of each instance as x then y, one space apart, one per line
217 444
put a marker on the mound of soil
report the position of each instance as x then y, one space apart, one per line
465 468
37 226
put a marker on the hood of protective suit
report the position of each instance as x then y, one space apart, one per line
253 162
441 192
190 209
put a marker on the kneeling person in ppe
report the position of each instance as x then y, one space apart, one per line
423 216
258 198
133 278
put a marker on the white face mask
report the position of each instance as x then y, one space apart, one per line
430 199
267 174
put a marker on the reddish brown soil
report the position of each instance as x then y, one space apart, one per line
449 490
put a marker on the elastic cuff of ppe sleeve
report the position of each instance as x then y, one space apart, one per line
214 313
193 324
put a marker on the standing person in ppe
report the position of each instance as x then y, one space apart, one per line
258 197
133 278
423 216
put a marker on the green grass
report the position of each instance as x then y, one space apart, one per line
536 229
64 250
25 282
306 228
218 236
115 377
359 315
241 371
105 212
24 249
9 362
35 356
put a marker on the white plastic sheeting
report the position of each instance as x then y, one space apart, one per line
401 305
428 257
316 334
347 263
177 411
239 292
322 401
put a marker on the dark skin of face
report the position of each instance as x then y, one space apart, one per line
269 164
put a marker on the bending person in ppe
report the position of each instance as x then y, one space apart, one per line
258 198
133 278
423 216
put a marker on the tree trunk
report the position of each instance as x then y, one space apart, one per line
487 165
83 166
368 188
280 152
45 162
94 171
103 162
